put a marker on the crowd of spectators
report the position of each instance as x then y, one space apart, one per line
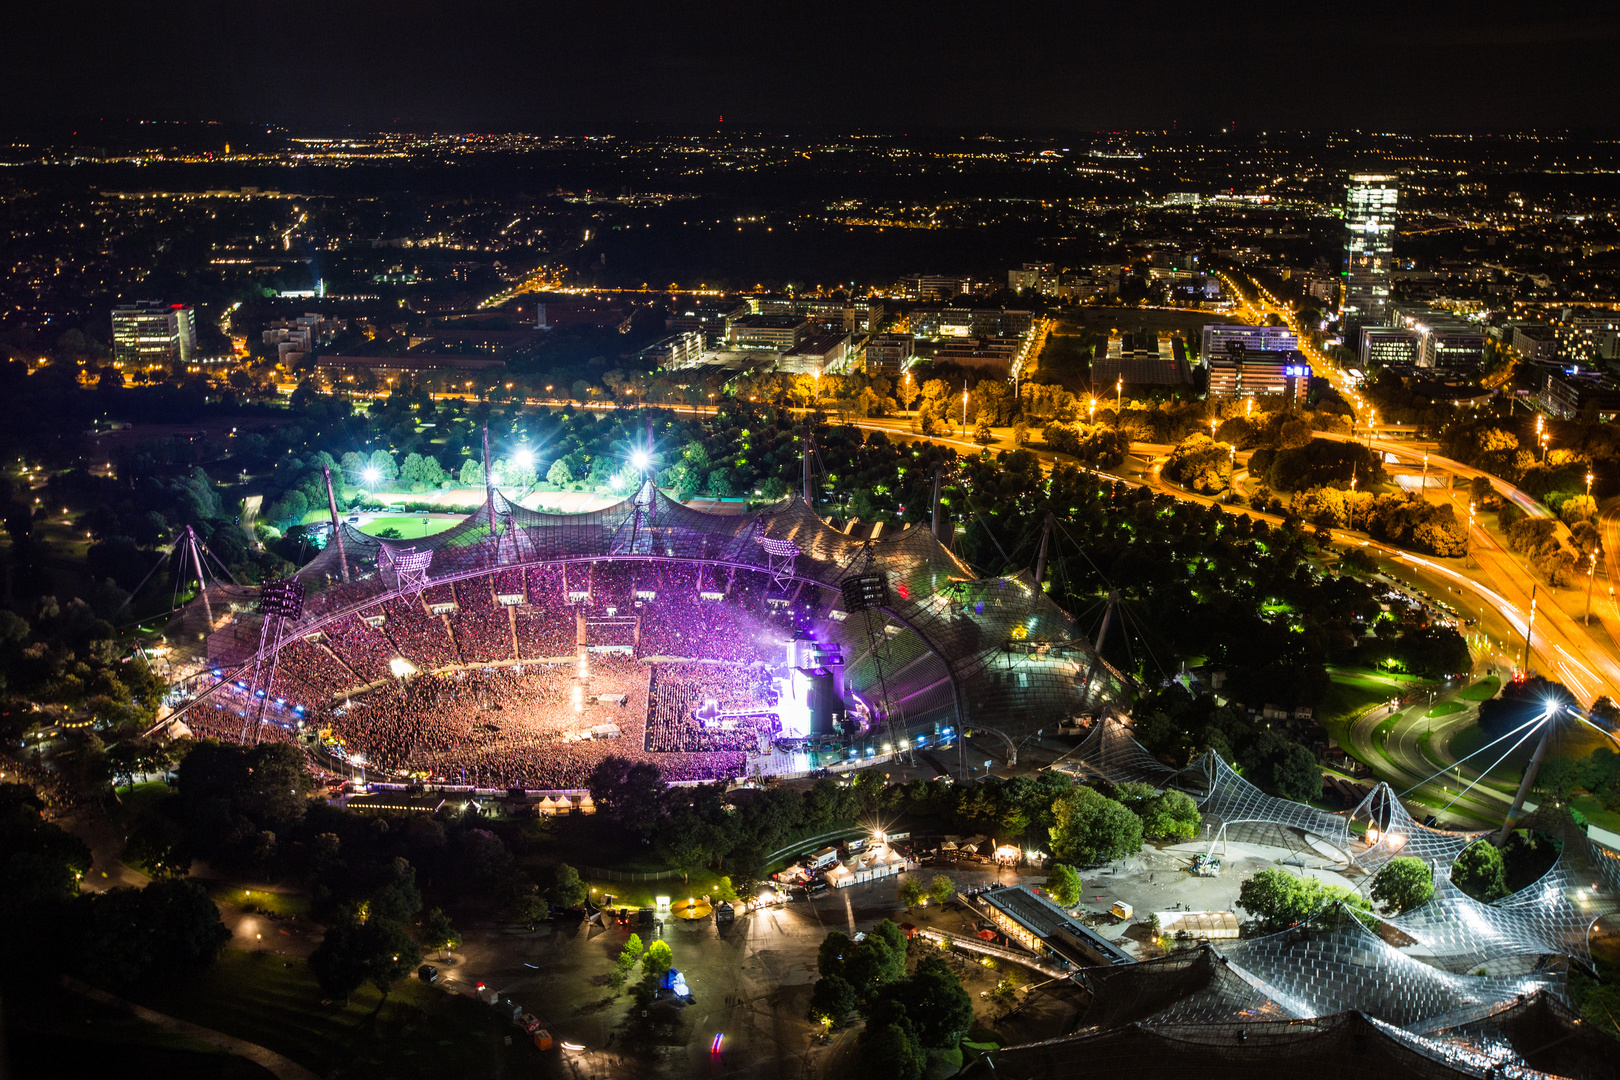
742 695
491 700
522 725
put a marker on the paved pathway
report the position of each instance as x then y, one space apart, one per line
282 1068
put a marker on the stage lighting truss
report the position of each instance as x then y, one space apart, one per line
781 556
410 567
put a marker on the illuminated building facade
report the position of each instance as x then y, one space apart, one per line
149 333
1369 218
1242 374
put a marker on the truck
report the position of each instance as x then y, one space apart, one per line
820 860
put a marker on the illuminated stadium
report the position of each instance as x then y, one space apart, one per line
518 648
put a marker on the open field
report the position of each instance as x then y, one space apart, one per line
418 1031
409 527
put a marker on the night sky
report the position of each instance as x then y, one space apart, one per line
490 65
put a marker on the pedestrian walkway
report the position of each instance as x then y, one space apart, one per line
282 1068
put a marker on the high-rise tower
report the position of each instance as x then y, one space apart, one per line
1369 218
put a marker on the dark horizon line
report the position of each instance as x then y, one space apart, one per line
70 127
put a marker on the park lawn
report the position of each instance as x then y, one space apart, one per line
1347 697
418 1031
1483 690
1446 708
134 804
280 905
1597 813
409 527
50 1025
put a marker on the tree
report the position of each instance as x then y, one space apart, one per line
1480 872
1278 899
983 435
421 473
681 845
438 933
1063 883
382 462
889 1053
157 847
559 475
911 891
377 950
472 473
1090 828
659 958
1169 815
831 1000
941 888
127 935
939 1009
1403 884
631 954
633 794
568 889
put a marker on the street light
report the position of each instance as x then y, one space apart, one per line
1591 576
1350 504
1119 395
1468 540
1588 485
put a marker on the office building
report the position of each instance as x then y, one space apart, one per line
1243 374
1369 219
1535 342
1142 360
1218 336
676 351
1451 345
767 331
1387 346
986 352
817 353
149 333
341 369
1036 277
934 286
711 318
888 354
943 322
1587 341
1443 340
854 316
1565 396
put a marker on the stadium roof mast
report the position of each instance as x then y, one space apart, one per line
808 449
489 478
1548 723
935 521
1040 557
191 549
337 527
